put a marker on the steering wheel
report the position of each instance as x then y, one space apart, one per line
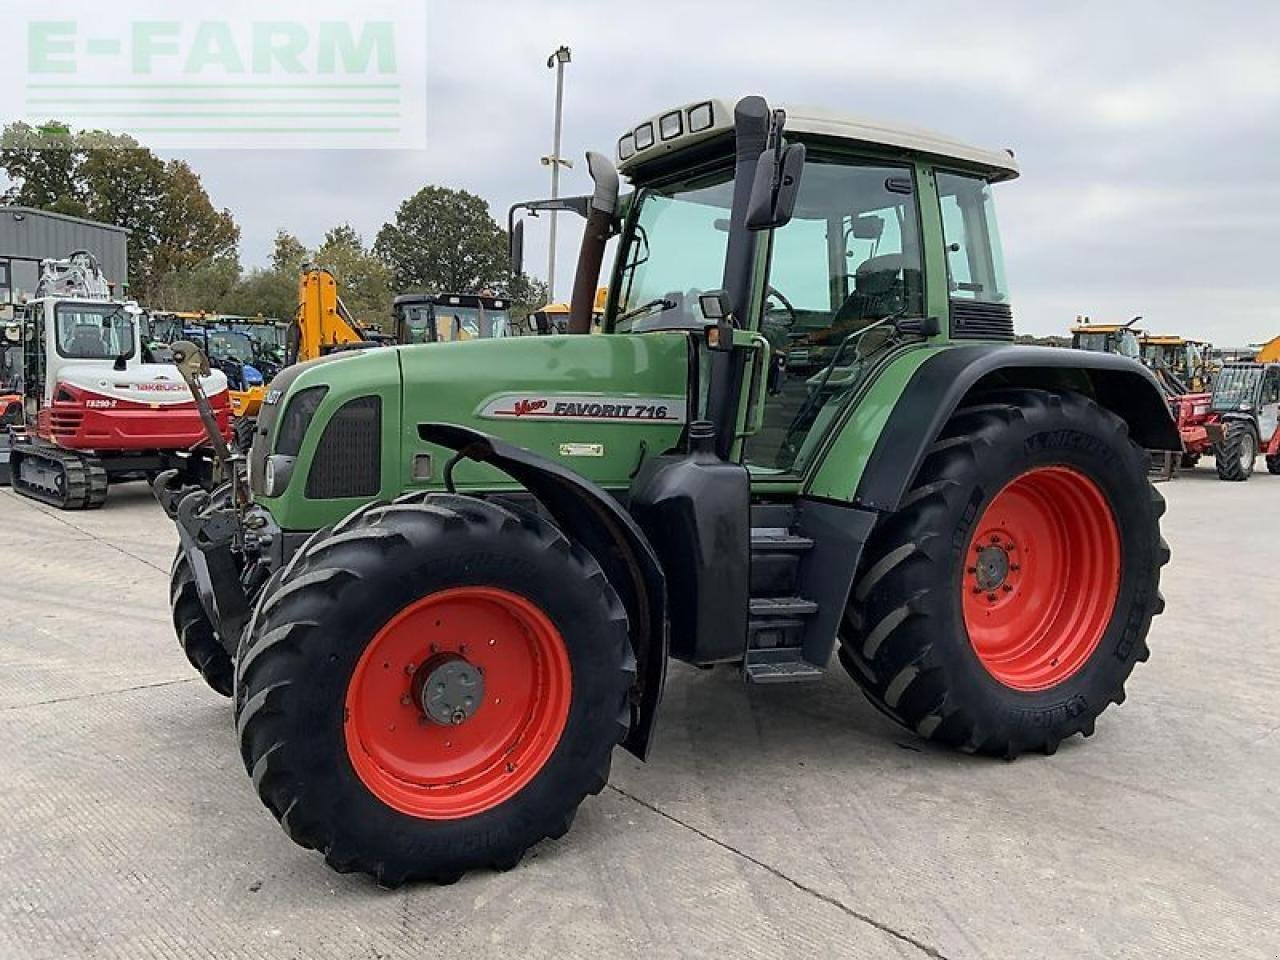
786 304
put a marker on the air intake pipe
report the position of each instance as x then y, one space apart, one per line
600 218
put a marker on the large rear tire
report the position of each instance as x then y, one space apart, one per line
432 687
1236 455
1003 607
198 639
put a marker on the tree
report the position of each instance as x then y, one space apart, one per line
364 280
444 241
42 163
112 178
203 287
289 254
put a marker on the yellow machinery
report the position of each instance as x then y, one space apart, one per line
1270 352
321 324
554 317
1187 360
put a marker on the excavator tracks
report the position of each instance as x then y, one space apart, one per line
61 478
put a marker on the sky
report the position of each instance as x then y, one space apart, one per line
1148 133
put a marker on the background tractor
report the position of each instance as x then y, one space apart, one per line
450 317
1242 421
457 574
95 409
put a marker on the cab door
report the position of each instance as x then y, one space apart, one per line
1269 406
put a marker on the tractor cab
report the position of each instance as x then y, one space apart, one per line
450 318
1122 339
1183 363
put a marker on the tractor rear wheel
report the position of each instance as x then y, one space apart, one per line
1236 455
1003 607
195 631
433 686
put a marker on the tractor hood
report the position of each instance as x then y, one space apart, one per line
595 404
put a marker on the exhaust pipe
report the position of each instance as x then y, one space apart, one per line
604 206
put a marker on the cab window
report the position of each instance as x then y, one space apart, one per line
975 262
842 272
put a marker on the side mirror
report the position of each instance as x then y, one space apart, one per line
517 249
776 187
717 311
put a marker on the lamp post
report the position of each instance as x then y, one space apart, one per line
557 61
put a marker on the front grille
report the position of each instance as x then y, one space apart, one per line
971 320
348 461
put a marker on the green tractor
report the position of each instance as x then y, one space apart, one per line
455 574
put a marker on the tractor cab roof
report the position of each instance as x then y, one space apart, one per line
706 127
474 300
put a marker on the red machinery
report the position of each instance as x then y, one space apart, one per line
100 410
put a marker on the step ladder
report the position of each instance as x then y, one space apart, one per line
778 615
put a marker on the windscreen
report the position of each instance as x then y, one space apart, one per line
93 331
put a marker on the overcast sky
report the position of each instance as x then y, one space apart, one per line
1148 133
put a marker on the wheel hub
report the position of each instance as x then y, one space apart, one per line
992 568
448 689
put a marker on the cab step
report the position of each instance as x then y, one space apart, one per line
781 665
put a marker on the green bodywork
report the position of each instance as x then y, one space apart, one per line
452 383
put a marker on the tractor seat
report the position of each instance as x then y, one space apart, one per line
881 286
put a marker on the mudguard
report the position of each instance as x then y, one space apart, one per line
207 527
599 523
937 387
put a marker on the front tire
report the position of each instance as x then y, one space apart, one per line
1273 464
1003 607
432 687
1239 450
196 636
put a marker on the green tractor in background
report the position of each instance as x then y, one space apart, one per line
454 576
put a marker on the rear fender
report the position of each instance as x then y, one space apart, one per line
941 383
599 523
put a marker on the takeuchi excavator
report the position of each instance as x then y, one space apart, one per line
94 409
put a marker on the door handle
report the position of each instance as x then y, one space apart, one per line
759 393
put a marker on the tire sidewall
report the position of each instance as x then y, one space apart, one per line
364 606
1085 444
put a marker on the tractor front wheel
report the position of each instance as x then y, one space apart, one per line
1236 455
1273 464
433 686
1003 607
198 639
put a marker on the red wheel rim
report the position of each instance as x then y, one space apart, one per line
1042 574
439 771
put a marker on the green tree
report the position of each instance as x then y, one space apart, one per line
205 286
444 241
289 254
112 178
364 280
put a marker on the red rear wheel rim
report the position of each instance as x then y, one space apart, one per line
437 771
1042 575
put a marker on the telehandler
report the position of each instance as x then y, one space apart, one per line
453 577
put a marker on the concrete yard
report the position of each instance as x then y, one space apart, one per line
779 822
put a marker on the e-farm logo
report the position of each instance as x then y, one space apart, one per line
314 74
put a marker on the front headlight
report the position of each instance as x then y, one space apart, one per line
1202 410
276 474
